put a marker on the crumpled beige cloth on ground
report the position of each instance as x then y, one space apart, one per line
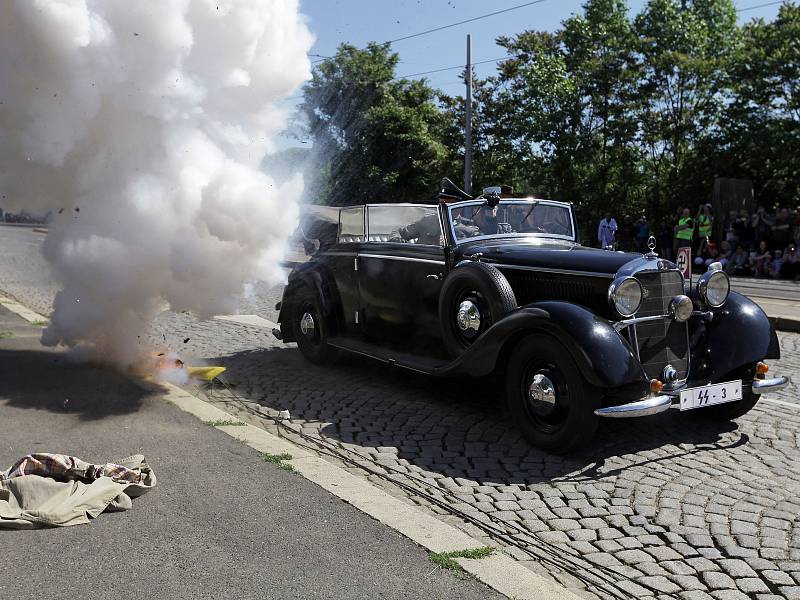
55 490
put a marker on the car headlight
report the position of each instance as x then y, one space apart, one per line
713 288
625 296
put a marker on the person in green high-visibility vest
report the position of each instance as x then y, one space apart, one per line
684 230
705 225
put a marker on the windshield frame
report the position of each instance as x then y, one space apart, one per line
527 235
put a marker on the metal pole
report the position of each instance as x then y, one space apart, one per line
468 124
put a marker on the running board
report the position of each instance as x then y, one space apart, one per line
426 365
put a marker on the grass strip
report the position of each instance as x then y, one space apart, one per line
278 460
445 559
224 422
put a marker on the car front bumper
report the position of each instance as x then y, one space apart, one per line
652 405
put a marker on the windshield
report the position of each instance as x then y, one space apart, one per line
511 217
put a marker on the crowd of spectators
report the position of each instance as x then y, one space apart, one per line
758 244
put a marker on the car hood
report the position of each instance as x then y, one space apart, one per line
547 254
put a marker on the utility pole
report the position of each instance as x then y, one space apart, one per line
468 124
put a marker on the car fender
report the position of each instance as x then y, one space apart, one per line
603 356
316 277
739 334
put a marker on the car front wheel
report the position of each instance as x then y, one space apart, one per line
548 397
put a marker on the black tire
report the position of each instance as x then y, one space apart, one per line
313 342
567 421
483 285
733 410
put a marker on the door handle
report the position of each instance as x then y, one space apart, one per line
433 276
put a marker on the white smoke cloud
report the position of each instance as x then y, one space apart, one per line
142 125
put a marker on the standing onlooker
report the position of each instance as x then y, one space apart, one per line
744 229
705 226
606 231
665 239
642 234
684 230
731 233
782 229
761 224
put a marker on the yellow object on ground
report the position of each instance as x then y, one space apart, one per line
205 373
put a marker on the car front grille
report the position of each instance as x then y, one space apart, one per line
665 341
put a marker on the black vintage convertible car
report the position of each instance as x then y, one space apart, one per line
500 285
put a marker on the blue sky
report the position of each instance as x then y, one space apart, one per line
361 21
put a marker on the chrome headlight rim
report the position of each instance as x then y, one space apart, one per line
681 308
703 283
613 294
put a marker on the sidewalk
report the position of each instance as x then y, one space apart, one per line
222 523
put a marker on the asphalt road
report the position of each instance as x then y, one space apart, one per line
222 523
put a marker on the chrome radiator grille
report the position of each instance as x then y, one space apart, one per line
664 342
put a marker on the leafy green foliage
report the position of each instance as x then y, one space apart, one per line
376 138
638 113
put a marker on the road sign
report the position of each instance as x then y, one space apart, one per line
684 261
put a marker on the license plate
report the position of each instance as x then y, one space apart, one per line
707 395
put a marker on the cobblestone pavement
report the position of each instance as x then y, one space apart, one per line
668 506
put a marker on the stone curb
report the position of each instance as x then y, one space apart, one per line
22 311
499 571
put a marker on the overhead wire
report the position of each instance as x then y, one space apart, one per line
451 25
760 6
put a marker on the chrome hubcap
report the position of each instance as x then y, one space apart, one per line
468 318
307 324
542 394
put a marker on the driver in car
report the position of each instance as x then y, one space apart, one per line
486 220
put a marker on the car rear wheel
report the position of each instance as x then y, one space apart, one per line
474 297
548 397
311 327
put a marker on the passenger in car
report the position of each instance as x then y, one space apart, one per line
426 230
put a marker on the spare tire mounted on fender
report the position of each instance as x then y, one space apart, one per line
474 297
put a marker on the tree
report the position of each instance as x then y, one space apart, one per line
685 49
762 124
376 138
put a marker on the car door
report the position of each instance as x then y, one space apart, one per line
400 270
343 260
